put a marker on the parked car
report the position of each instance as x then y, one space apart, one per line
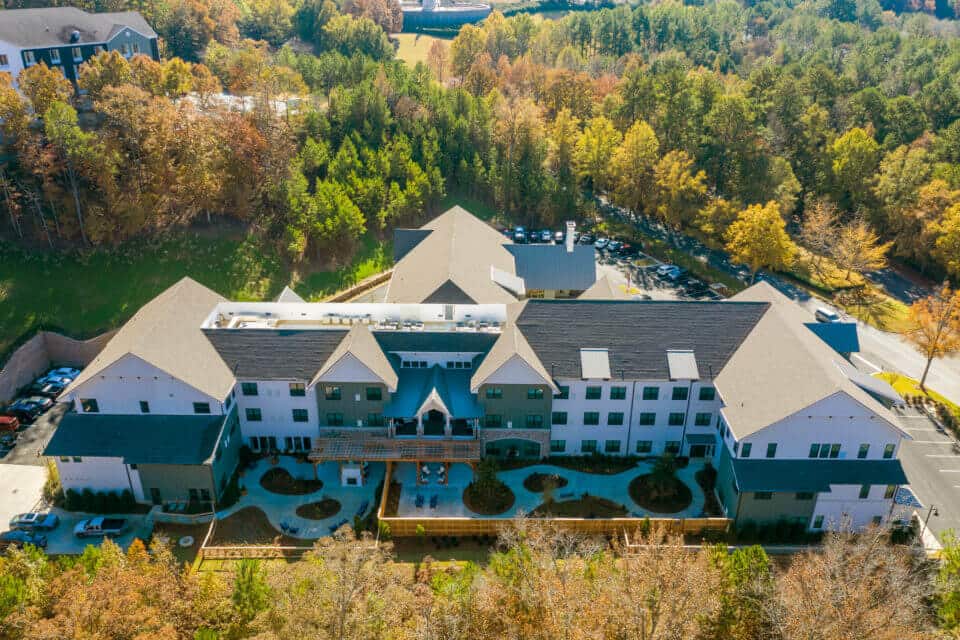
35 521
20 538
41 401
99 527
822 314
24 410
520 235
9 423
533 236
558 237
664 269
586 238
614 246
8 440
601 244
62 372
53 390
546 235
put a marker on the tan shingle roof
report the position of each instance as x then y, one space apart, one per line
510 343
604 289
782 368
361 344
457 255
166 333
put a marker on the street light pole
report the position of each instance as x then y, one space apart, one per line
932 511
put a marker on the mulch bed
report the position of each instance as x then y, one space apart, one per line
537 482
492 505
278 480
676 497
320 510
249 526
601 465
393 499
584 507
707 479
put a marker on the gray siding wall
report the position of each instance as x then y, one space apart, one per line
175 480
780 506
725 481
514 405
227 453
351 408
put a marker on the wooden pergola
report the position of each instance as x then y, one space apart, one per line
373 448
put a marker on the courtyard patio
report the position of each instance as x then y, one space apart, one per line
281 509
436 499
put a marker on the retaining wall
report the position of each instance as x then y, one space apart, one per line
44 349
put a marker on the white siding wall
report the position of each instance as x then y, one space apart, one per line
119 388
837 419
97 474
14 61
842 506
276 406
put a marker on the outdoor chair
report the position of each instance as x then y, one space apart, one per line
434 499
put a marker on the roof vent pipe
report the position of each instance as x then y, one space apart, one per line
568 239
74 36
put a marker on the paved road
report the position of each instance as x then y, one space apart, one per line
879 349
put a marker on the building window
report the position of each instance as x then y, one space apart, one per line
54 56
64 458
644 446
618 393
493 421
647 419
563 395
672 447
814 450
888 451
591 417
594 393
201 407
804 495
136 47
651 393
772 450
298 389
494 393
708 393
374 394
77 459
702 419
817 523
335 419
253 414
611 446
890 491
745 452
4 61
375 420
877 520
300 415
332 393
762 495
534 421
29 58
864 491
558 446
559 417
680 393
676 419
144 406
588 446
249 389
125 49
534 393
615 418
863 451
77 54
89 405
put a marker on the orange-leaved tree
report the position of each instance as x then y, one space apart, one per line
935 326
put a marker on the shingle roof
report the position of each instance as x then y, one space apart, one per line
604 289
52 26
546 266
637 334
814 475
404 240
781 368
289 295
434 341
166 333
275 354
361 344
460 250
138 439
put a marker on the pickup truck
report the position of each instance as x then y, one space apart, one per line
35 521
95 527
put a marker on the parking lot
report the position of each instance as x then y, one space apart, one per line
32 438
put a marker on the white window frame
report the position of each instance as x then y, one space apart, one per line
54 56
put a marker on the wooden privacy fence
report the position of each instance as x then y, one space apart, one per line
240 552
404 527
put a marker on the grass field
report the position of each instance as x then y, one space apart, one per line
86 294
414 46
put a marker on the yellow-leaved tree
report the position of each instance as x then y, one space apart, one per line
934 327
758 238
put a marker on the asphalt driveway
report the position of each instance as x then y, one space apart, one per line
34 437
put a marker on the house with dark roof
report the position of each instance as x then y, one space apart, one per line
64 38
792 429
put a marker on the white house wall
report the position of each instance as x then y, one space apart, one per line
836 419
276 407
119 388
98 474
14 61
514 371
842 506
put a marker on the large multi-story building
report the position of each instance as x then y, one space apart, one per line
63 38
743 383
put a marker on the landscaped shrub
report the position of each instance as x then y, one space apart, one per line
595 463
88 501
320 510
660 490
539 482
278 480
487 495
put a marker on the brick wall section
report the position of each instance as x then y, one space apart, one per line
41 351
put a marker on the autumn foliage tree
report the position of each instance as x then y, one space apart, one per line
934 327
758 239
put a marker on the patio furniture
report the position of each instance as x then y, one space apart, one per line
419 501
293 530
434 499
284 527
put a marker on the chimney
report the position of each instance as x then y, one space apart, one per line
568 239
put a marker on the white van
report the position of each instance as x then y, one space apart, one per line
823 314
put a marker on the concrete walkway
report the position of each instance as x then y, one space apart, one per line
612 487
282 509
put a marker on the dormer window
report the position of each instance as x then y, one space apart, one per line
54 56
77 54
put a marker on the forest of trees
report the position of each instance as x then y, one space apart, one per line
691 114
539 584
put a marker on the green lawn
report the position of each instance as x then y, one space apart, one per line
83 295
909 387
414 46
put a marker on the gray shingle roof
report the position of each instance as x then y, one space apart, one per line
404 240
275 354
52 26
138 439
638 334
546 266
392 341
814 475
